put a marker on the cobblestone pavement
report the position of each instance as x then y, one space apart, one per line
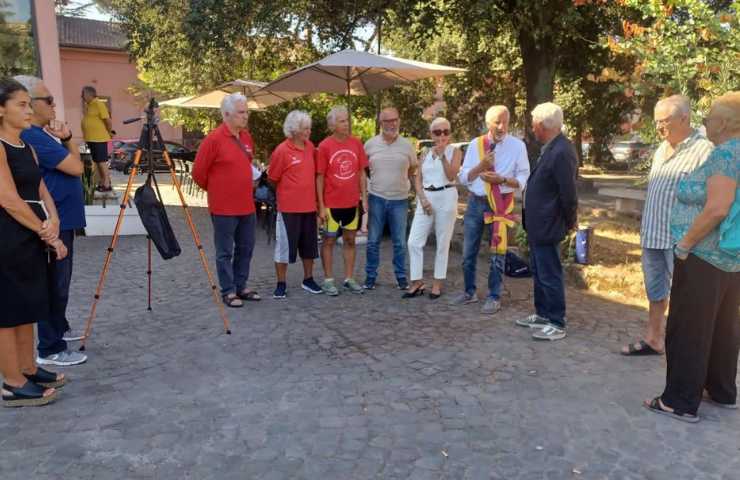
353 387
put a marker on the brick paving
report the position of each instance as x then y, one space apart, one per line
352 387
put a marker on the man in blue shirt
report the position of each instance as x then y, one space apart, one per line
61 166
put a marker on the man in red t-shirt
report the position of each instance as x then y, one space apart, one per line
223 168
341 188
293 171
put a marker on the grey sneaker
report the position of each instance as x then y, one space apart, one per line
550 332
533 321
352 286
491 305
329 288
63 359
463 299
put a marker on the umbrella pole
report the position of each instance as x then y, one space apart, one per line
349 103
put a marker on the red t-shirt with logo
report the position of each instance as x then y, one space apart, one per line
224 170
294 171
341 164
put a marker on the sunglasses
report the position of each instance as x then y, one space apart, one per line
49 100
439 133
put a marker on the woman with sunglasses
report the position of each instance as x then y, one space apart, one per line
436 207
28 222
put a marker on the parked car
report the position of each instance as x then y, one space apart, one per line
122 156
631 152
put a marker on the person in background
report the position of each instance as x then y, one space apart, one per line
341 187
495 166
97 131
682 150
436 207
392 162
61 167
292 170
224 168
703 329
29 224
550 212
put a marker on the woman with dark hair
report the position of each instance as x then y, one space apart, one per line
97 129
29 224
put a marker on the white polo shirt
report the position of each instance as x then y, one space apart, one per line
511 162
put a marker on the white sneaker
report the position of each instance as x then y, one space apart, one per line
550 332
63 359
533 321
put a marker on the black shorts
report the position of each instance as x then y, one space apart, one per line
98 151
296 233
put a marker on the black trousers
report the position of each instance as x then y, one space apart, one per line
702 335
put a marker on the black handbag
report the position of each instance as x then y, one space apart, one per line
154 217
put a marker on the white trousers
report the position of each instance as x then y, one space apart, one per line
442 219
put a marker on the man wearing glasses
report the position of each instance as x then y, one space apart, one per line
392 162
682 151
495 166
61 166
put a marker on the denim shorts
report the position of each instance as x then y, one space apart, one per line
657 268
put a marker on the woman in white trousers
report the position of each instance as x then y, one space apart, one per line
436 207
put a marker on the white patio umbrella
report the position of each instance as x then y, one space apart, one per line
258 98
360 73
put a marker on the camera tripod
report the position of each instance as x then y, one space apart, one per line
149 132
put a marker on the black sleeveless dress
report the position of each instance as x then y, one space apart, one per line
24 294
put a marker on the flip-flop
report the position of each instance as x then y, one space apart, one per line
643 349
654 406
249 296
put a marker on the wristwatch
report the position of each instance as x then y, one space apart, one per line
680 252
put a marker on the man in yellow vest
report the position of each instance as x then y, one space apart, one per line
97 130
495 166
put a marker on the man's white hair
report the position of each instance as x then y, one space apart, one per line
549 114
438 122
678 104
230 102
28 81
294 121
494 112
331 117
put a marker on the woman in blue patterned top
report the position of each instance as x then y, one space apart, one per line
703 331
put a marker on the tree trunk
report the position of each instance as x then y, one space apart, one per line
578 140
538 60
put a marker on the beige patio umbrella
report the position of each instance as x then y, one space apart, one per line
351 72
258 98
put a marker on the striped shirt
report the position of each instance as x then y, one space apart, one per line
665 173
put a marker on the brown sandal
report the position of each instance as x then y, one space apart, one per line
233 301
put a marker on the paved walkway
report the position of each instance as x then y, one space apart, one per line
354 387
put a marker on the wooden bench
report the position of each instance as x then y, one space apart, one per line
629 200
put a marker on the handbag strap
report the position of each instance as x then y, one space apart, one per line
243 149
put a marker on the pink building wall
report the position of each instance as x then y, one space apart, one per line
111 74
48 45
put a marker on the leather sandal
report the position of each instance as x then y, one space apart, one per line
417 292
233 301
29 395
249 296
46 378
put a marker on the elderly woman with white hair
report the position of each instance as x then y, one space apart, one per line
551 205
224 169
436 207
292 170
703 329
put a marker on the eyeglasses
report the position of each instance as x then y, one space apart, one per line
390 120
705 121
439 133
49 100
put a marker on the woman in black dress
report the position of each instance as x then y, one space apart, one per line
29 229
